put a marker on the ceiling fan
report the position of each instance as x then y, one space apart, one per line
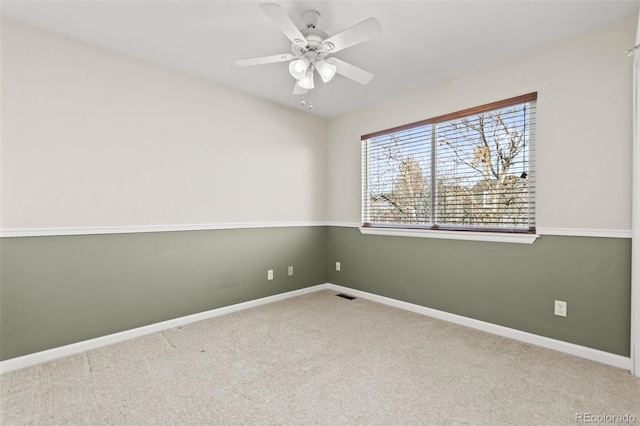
310 48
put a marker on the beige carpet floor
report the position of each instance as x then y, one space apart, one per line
317 359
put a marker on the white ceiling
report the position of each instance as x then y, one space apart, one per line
422 42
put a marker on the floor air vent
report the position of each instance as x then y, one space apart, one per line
345 296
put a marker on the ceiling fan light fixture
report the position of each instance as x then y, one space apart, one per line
326 70
298 68
310 46
306 82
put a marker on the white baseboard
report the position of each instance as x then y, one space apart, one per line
557 345
74 348
534 339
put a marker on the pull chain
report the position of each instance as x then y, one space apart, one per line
303 103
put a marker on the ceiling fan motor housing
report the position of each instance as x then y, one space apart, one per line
314 37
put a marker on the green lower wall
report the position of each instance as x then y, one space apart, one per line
513 285
60 290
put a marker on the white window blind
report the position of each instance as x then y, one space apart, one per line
471 170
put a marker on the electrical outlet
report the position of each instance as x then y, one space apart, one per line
290 270
270 274
337 266
560 308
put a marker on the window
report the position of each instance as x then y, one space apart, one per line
472 170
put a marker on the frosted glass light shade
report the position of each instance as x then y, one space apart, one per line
326 70
298 68
306 82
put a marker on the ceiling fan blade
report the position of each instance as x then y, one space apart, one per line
365 30
284 23
263 60
351 71
297 90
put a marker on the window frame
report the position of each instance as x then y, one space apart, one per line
465 232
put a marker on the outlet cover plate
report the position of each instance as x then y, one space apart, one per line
560 308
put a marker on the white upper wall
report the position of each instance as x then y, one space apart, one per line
584 131
92 138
